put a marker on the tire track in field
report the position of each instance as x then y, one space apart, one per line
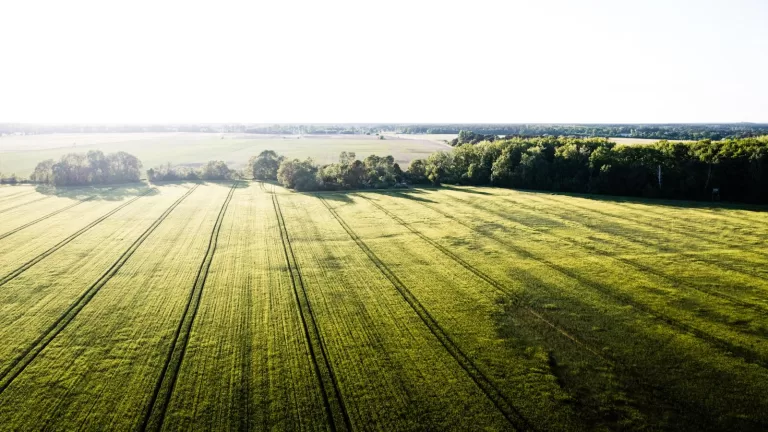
725 346
646 243
490 281
685 233
512 414
161 396
18 365
674 280
23 204
40 219
24 267
16 195
329 386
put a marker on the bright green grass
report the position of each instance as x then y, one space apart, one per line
451 308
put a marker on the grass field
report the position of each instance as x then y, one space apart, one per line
20 154
247 306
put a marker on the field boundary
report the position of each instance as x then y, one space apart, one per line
38 345
166 383
23 204
24 267
334 403
725 346
510 413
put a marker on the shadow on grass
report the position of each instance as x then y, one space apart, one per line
344 195
117 192
706 205
465 190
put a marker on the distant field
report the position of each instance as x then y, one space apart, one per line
20 154
630 141
247 306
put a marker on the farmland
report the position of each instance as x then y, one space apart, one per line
243 305
20 154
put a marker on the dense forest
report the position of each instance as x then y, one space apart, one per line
712 131
735 170
90 168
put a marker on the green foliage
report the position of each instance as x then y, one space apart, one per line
212 170
349 173
265 165
88 168
595 165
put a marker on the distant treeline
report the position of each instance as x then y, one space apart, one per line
713 131
89 168
735 170
652 131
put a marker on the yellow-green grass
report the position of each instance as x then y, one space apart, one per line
247 364
100 372
373 335
451 308
36 298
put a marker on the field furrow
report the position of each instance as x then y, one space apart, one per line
100 371
554 281
38 302
374 338
247 363
167 380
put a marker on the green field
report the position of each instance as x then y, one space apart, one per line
20 154
250 307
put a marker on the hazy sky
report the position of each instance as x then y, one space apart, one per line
384 61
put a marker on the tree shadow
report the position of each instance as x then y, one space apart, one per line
116 192
465 190
705 205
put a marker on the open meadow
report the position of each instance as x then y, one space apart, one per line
20 154
247 306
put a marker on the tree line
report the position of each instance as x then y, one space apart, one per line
735 169
213 170
94 167
348 173
693 132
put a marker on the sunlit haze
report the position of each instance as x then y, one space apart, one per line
394 61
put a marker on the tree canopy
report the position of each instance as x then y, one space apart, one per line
89 168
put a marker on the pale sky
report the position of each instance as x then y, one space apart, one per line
384 61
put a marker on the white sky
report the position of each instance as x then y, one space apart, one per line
384 61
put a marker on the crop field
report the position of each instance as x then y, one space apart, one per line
245 306
20 154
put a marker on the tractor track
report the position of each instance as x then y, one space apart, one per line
510 413
728 348
333 403
38 345
40 219
166 383
24 267
7 209
676 281
492 282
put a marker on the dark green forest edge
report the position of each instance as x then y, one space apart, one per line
732 170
